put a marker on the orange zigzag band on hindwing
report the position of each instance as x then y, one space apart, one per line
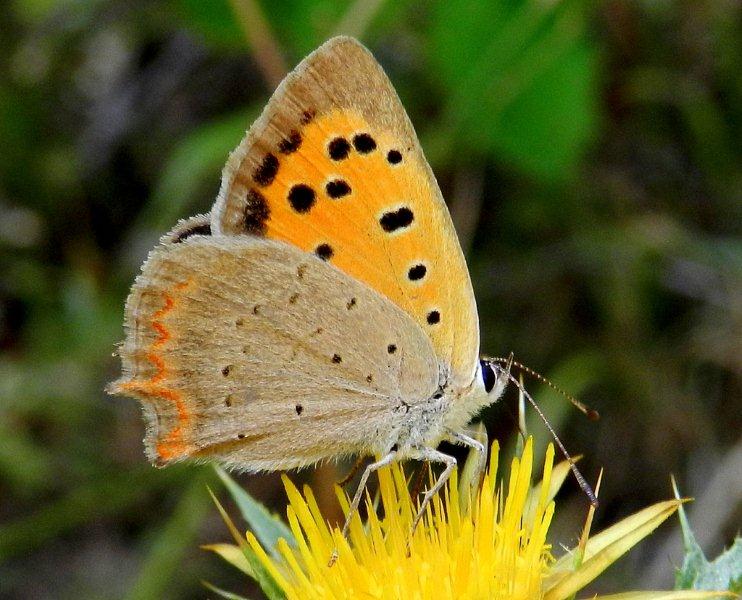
172 445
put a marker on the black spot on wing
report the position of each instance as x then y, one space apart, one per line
302 198
291 143
256 213
324 251
337 188
394 157
364 143
338 148
200 229
308 116
396 219
417 272
433 317
266 172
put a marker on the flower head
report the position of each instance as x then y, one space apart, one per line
483 541
490 551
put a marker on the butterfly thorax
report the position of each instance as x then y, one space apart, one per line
449 409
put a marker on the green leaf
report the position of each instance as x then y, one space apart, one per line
163 564
233 555
222 593
725 572
302 25
698 573
193 167
215 21
264 579
545 131
522 78
267 527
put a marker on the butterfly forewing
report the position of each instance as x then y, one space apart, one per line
334 168
256 353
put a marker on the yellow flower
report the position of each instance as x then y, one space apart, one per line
496 549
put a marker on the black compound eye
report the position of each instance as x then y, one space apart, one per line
488 375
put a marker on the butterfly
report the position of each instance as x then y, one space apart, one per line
323 308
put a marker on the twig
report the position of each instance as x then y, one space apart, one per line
259 36
357 18
466 203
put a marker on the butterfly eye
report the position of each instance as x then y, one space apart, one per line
488 376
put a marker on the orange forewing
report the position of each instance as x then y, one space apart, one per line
333 167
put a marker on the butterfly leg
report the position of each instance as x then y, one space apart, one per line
359 495
457 437
353 471
432 455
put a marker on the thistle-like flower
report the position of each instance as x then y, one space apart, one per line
477 540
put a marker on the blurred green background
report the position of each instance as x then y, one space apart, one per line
588 154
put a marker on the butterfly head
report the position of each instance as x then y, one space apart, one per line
492 377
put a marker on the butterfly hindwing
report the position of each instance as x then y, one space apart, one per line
333 167
254 352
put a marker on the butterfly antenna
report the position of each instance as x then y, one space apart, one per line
584 485
590 413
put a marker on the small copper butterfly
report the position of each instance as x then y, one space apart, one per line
323 308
